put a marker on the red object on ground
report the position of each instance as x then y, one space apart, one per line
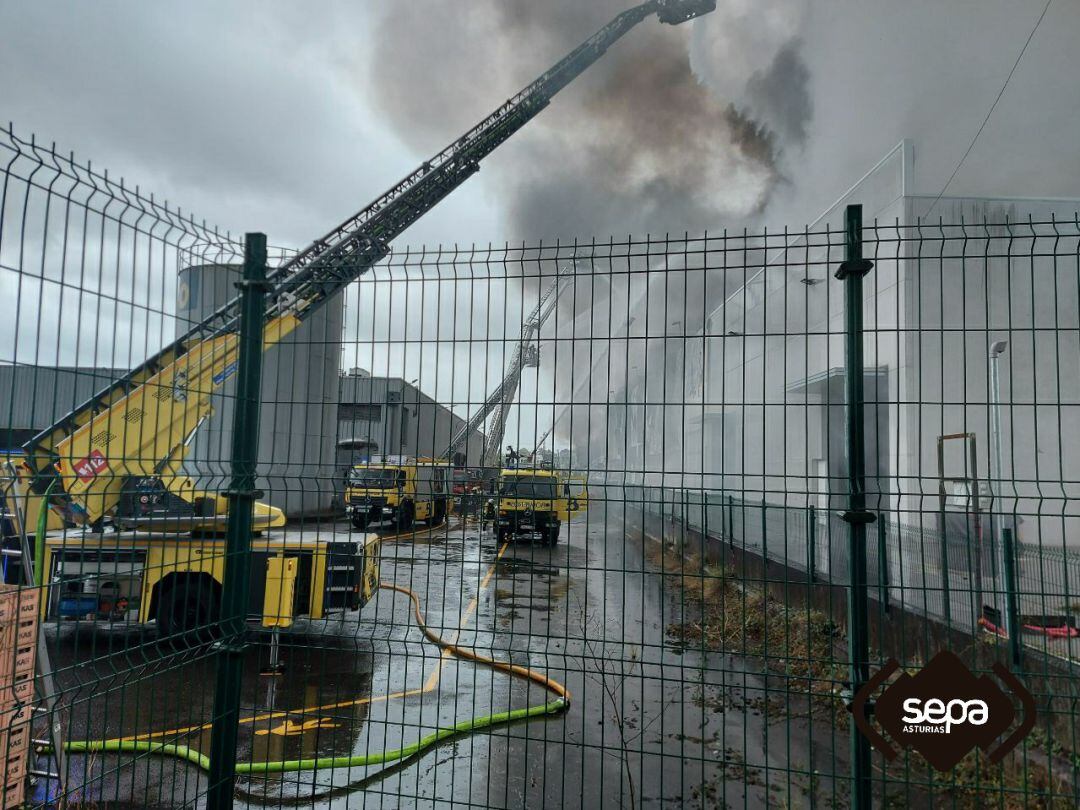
1054 632
988 625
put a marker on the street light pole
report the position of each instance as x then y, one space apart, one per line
996 483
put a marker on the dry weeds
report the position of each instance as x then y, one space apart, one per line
804 646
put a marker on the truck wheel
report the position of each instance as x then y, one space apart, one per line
188 609
504 533
406 515
438 515
553 534
360 522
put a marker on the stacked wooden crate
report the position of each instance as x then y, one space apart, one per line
18 648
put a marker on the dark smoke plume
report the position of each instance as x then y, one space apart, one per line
646 141
638 144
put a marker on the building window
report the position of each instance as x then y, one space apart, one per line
360 413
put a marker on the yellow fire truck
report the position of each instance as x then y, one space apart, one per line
536 502
135 577
147 543
398 490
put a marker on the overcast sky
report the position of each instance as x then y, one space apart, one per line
286 117
255 116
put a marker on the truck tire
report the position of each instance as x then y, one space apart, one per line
188 611
438 515
553 533
360 522
405 516
503 533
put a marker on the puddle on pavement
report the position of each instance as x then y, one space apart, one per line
414 553
525 586
523 567
318 706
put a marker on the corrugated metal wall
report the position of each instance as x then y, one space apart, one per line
33 397
397 418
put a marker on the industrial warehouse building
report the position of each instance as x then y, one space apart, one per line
748 402
371 415
297 420
388 416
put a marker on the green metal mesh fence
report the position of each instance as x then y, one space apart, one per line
544 525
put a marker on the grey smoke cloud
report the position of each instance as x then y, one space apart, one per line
752 55
647 140
642 142
781 93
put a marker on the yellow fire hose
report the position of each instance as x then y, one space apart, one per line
560 704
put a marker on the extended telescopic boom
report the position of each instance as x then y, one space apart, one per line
525 354
139 424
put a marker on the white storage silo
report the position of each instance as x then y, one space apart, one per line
298 418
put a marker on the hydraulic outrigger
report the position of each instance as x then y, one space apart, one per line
139 427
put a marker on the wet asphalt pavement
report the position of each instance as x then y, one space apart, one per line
651 723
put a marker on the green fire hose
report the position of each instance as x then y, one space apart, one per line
184 752
320 763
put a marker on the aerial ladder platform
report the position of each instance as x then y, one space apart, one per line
526 354
139 427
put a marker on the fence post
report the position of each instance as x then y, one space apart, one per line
811 534
883 563
1012 608
764 537
851 272
946 586
731 520
241 495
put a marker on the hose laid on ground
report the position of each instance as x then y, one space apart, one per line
470 655
559 704
320 763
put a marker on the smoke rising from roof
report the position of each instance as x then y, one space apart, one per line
674 129
751 53
648 139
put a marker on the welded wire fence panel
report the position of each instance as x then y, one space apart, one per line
89 268
945 304
538 525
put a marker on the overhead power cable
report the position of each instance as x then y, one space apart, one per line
992 107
